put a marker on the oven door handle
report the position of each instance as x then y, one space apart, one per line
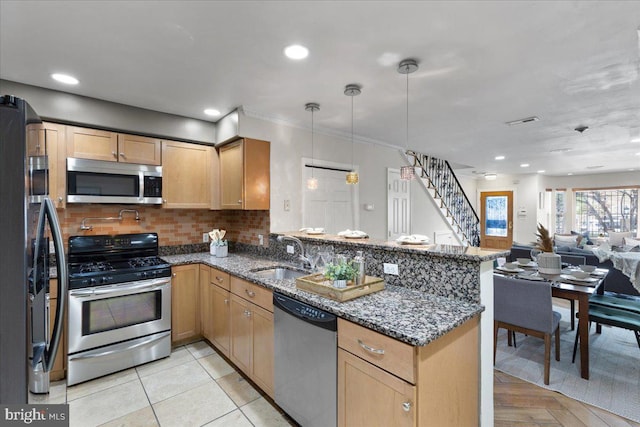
156 284
138 343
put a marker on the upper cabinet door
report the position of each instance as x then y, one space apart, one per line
139 149
186 175
231 176
92 144
245 175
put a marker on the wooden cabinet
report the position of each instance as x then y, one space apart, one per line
251 344
380 383
245 175
368 395
215 303
186 175
185 313
94 144
49 140
60 363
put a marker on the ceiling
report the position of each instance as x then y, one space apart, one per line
482 64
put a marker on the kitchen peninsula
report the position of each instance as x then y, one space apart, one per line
427 319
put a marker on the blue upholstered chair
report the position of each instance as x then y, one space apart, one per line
573 260
525 306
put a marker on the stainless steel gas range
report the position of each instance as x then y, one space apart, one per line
119 304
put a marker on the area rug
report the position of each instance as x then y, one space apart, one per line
614 383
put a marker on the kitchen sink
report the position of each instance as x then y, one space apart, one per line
279 273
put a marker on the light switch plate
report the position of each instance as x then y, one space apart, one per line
205 237
287 205
261 239
290 249
390 268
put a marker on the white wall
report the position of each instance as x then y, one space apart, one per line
289 144
526 190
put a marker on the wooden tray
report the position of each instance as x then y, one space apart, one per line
318 284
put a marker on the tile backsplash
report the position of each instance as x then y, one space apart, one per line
174 226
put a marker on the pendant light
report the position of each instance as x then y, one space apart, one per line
312 183
352 90
407 67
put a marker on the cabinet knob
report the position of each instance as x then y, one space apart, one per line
113 153
250 293
60 199
173 275
164 200
123 156
239 202
406 406
38 148
226 300
219 279
247 313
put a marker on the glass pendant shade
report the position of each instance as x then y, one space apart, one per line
352 177
312 183
407 173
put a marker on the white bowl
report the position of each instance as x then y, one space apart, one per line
523 261
510 265
580 274
588 268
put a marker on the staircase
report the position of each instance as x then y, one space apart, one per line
441 183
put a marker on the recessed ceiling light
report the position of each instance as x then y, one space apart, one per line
541 171
570 173
560 150
490 176
65 78
296 51
212 112
499 157
635 140
524 165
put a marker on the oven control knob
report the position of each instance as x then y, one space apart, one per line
145 274
93 282
103 280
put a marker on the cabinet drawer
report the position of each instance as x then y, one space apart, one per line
219 278
251 292
385 352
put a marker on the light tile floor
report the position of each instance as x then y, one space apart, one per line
194 386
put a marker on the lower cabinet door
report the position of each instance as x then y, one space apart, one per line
241 334
370 396
220 318
263 348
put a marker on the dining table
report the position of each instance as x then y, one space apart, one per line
566 286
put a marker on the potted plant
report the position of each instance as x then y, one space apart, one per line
548 261
340 273
218 246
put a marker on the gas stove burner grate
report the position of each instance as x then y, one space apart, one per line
91 267
144 262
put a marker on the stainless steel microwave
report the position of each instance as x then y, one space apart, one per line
97 181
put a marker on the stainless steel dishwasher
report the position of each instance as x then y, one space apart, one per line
305 365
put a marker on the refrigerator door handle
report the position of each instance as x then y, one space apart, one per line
61 265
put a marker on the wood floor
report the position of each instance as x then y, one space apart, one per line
519 403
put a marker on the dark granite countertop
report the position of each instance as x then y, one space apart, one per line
408 315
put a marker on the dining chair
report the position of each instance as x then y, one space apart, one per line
572 260
525 306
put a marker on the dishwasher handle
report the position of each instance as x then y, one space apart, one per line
305 312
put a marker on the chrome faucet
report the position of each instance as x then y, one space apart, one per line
306 262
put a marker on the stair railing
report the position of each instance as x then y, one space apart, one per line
442 180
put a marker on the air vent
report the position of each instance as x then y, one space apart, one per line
523 121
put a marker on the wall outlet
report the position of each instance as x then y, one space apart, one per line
52 247
261 239
287 205
205 237
390 269
290 249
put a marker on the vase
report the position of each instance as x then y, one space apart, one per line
549 263
340 284
222 251
212 249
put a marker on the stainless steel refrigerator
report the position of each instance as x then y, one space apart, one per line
28 222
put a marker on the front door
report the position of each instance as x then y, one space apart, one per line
496 219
